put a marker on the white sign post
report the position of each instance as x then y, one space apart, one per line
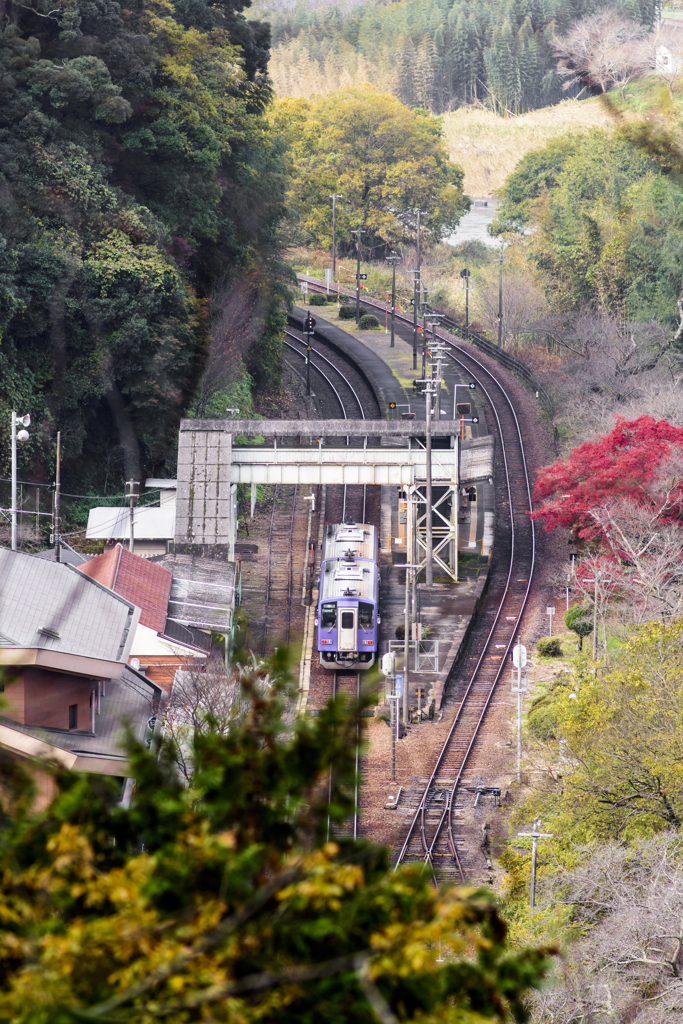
519 661
550 612
328 279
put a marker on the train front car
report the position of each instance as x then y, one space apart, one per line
349 592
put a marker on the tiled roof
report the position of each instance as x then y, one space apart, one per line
137 579
150 523
53 606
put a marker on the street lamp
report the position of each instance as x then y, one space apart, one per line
334 199
393 259
22 435
359 234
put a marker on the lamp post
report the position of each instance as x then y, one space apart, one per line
22 435
359 233
416 306
466 276
334 199
393 259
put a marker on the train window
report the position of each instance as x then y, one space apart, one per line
365 615
347 620
328 616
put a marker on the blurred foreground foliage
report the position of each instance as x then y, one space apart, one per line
226 901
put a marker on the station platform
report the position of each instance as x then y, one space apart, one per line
446 609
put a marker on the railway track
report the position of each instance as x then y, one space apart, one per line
439 832
277 618
347 688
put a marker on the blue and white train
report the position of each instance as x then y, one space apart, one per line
348 609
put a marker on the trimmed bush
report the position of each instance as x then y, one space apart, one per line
348 312
400 631
549 647
317 300
332 297
368 322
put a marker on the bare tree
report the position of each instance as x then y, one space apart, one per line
609 369
603 50
627 902
201 700
647 550
524 303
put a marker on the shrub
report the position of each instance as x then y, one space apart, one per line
332 297
349 312
368 322
317 300
549 647
400 631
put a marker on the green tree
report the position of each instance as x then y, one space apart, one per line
577 619
137 172
386 160
226 901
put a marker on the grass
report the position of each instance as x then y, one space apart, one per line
487 146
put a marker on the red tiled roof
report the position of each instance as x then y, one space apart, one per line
145 584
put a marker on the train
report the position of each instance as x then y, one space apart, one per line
348 609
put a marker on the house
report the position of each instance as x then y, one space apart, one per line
65 641
202 594
158 649
669 48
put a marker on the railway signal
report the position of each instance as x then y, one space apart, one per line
309 326
535 836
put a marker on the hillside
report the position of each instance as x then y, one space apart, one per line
488 147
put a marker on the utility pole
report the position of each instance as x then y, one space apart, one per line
425 311
416 304
429 578
334 199
501 259
393 259
58 476
389 671
358 232
535 836
130 487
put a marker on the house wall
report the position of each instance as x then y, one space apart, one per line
42 698
161 669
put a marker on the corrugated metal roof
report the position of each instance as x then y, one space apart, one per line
202 591
149 523
55 607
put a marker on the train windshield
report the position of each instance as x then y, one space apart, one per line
328 616
366 615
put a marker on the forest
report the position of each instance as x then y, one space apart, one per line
436 54
141 197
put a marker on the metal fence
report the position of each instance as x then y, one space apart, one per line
423 654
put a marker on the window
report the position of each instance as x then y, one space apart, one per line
328 616
366 615
73 716
347 620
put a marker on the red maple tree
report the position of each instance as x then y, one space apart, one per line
640 459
